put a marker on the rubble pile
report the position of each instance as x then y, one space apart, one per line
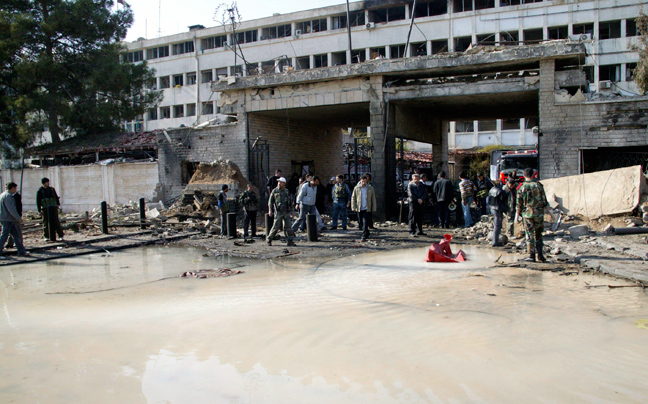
219 172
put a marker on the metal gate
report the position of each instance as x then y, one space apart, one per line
260 166
357 159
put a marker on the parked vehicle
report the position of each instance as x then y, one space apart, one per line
513 163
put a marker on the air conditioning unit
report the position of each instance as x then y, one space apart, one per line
371 25
605 85
298 32
580 37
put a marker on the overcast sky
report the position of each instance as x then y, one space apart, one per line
155 18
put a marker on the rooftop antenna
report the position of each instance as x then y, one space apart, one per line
229 14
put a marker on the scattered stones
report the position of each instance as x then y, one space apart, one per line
580 230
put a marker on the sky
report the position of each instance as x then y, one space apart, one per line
154 18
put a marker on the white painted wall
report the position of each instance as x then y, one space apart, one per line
83 188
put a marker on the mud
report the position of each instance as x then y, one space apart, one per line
378 327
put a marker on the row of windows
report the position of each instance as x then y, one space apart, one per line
491 125
179 111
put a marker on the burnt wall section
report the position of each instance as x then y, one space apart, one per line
295 140
568 128
226 142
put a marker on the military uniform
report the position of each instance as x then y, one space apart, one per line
510 223
531 204
250 202
280 205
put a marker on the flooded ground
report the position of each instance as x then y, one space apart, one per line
376 328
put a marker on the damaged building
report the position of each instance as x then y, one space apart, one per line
553 88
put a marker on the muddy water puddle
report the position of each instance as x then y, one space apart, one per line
373 328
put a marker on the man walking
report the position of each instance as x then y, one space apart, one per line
531 204
340 195
467 189
11 220
306 201
497 199
444 192
45 197
250 202
416 195
512 194
280 206
363 201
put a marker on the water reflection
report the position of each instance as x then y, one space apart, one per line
382 327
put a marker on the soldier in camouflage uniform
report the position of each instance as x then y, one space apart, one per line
280 205
531 204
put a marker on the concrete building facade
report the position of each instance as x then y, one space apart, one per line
187 63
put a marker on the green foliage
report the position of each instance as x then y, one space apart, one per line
480 162
64 70
641 72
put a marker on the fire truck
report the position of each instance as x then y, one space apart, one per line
513 163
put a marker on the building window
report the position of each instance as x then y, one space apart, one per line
484 4
579 29
338 58
419 49
532 35
206 76
152 84
486 39
191 78
165 82
462 43
184 47
165 112
268 67
191 109
609 29
610 72
252 69
487 126
159 52
439 46
237 70
464 126
178 111
207 108
430 8
631 27
134 57
340 21
307 27
221 72
280 31
511 124
358 56
530 123
509 38
321 60
630 71
152 114
177 80
387 14
284 64
397 51
462 5
557 32
214 42
247 36
377 53
303 63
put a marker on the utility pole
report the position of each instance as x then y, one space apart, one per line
349 30
410 28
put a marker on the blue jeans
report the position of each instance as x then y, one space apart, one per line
12 228
340 209
465 204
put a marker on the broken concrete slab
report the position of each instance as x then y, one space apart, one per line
603 193
577 231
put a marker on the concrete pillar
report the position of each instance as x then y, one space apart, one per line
428 45
548 144
348 57
367 53
311 61
329 59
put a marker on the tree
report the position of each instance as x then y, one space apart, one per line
641 72
67 73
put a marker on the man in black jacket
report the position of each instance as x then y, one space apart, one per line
45 197
416 194
444 192
19 208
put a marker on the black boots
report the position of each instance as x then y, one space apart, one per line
541 256
531 258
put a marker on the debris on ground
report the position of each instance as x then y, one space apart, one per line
210 273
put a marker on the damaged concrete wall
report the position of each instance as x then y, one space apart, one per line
83 188
227 142
300 141
602 193
570 127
